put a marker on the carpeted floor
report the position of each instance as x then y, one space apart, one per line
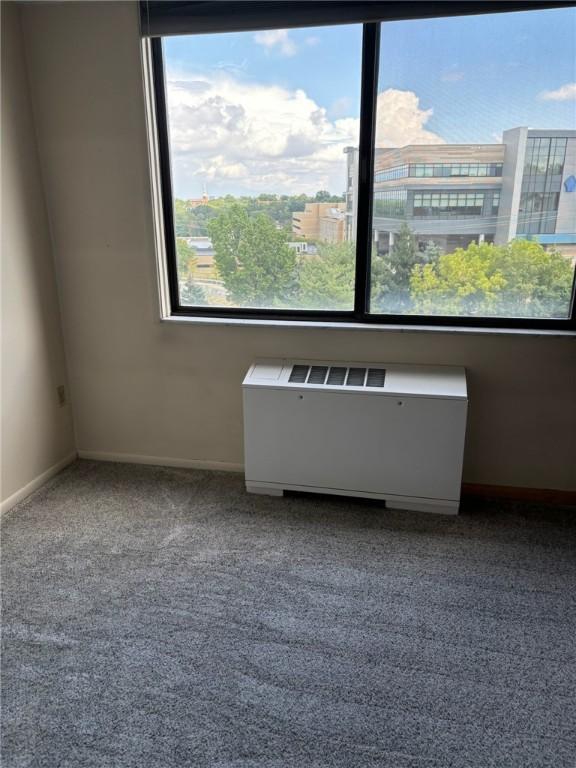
156 618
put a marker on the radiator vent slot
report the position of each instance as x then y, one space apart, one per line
299 374
317 374
337 376
356 377
376 377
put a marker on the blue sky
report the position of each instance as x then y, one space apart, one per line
455 80
483 74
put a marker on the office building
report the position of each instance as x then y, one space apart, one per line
321 222
455 194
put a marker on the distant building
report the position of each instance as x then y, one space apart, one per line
194 202
321 221
299 247
333 224
455 194
204 251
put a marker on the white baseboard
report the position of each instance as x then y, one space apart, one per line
33 485
161 461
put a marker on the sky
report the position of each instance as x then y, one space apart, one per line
272 111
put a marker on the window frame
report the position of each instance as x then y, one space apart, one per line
360 314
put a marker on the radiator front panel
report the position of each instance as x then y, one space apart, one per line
411 446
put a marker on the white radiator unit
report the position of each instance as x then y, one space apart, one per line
392 432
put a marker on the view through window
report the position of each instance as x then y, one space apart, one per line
475 166
474 186
260 124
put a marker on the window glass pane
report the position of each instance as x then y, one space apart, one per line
263 130
487 106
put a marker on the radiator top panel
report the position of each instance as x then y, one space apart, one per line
356 377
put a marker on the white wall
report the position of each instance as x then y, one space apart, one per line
142 387
36 433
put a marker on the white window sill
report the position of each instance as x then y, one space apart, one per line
389 328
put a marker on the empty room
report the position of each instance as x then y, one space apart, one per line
288 384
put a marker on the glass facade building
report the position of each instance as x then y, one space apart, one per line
541 185
456 194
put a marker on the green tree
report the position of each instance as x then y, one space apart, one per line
186 258
183 222
199 218
538 282
327 279
463 282
257 266
391 272
191 221
297 203
518 279
191 294
431 253
323 196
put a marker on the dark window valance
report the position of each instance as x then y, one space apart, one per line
186 17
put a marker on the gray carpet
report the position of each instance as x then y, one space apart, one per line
158 617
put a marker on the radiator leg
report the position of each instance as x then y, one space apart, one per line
264 490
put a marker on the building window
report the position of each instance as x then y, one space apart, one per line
390 203
398 172
300 181
495 203
446 204
451 169
541 185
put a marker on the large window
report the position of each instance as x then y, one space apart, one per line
439 169
408 170
446 204
258 125
390 203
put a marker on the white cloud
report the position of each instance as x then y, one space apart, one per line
400 120
566 92
312 41
264 138
246 138
340 107
276 39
